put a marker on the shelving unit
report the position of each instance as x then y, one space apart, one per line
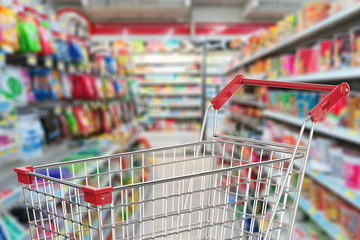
307 36
332 229
336 23
340 133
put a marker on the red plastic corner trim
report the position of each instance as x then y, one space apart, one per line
220 99
23 176
318 112
97 196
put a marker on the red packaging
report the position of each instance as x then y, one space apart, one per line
82 87
82 120
342 50
325 48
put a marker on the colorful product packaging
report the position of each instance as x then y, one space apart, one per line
325 48
355 46
354 113
8 30
352 169
342 50
287 65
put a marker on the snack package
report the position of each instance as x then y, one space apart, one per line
8 30
46 39
52 128
55 86
41 81
342 50
82 87
71 121
82 120
28 35
66 85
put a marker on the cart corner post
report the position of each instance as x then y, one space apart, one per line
97 196
23 174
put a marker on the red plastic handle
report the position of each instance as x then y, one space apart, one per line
317 113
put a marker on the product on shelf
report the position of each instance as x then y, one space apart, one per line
8 29
350 221
287 65
31 134
342 50
29 38
354 113
355 46
325 48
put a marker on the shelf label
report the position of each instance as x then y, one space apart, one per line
2 59
340 236
313 210
350 194
71 69
31 59
352 132
48 61
61 66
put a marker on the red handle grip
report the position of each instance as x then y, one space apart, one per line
336 93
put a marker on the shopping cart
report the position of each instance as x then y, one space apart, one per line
223 188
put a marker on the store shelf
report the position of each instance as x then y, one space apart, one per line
169 83
171 94
180 116
336 186
332 229
173 105
341 133
333 75
313 33
247 102
247 121
166 73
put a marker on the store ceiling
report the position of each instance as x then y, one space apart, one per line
173 10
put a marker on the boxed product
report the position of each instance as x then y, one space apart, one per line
350 221
352 169
325 48
287 65
342 50
314 12
354 112
355 46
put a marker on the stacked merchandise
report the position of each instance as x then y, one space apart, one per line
278 53
334 53
56 87
172 99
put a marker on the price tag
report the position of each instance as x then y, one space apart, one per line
350 194
2 59
313 210
40 8
340 236
352 132
48 61
71 69
31 59
61 66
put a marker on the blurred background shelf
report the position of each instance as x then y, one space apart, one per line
340 133
333 230
310 35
